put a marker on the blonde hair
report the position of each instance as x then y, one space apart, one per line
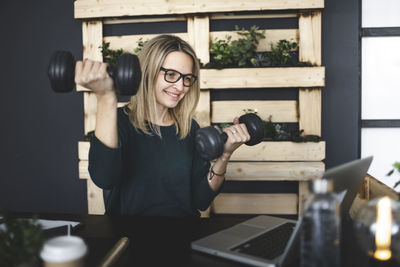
143 105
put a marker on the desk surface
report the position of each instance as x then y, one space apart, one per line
160 241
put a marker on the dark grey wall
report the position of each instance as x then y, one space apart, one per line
40 129
340 98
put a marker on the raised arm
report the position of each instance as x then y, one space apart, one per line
93 75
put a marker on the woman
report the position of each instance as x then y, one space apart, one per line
145 152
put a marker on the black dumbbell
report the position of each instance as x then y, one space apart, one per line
210 142
126 73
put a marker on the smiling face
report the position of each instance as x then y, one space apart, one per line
168 94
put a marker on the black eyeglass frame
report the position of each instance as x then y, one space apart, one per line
180 76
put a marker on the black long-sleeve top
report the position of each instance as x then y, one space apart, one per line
149 175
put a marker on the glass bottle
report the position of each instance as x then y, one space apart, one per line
320 231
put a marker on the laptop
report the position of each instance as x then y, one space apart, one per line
245 242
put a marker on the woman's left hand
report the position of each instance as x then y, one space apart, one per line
237 136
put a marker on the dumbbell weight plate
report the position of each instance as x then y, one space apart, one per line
127 74
61 71
210 142
255 127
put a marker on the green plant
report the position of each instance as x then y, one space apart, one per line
20 241
280 54
221 53
237 53
261 60
396 167
243 49
109 55
140 44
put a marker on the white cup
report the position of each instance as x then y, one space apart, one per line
64 251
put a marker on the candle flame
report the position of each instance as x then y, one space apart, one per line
383 229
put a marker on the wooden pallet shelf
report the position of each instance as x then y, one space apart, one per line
267 161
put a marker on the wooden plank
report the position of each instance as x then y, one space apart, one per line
95 198
83 169
379 189
198 34
262 77
310 111
310 37
202 115
121 8
310 51
83 150
129 42
144 19
92 38
201 27
357 204
281 111
274 171
271 36
281 151
219 16
304 194
232 203
265 151
90 110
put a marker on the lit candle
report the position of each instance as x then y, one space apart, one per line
383 230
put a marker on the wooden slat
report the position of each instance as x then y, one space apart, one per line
379 189
304 194
310 37
265 151
92 36
83 169
232 203
129 42
83 150
201 27
310 111
143 19
274 171
95 198
281 111
257 171
271 36
281 151
262 77
90 109
198 34
310 51
219 16
202 115
120 8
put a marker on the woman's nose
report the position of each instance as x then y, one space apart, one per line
179 85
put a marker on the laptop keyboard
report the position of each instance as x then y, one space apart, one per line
268 245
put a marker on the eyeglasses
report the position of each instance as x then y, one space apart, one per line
172 76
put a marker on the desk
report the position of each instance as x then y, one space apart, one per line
160 241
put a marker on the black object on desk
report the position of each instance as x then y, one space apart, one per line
164 241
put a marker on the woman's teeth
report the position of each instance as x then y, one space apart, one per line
171 94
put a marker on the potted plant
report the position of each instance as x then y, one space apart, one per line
20 242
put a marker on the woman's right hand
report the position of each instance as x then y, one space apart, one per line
94 76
